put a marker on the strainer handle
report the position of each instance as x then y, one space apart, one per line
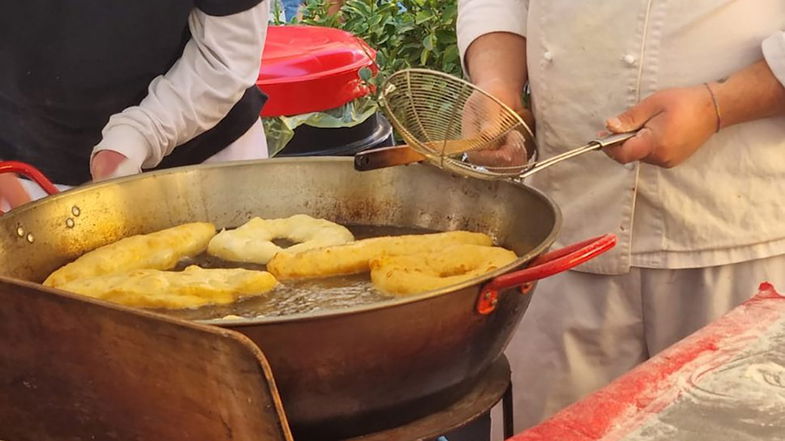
386 157
596 144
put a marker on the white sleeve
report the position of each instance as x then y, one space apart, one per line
480 17
219 62
774 53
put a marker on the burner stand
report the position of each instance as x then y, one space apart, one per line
492 386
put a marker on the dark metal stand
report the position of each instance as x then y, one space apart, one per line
492 387
507 412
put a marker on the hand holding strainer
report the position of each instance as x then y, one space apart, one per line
452 123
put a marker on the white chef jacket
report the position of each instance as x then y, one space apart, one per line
589 60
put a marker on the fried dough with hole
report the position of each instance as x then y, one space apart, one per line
421 272
160 250
253 241
191 288
353 258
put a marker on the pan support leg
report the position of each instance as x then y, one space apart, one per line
507 409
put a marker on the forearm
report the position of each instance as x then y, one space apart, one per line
756 91
750 94
492 44
12 191
498 57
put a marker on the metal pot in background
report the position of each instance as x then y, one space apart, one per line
374 132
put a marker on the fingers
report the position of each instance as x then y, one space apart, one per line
105 164
482 117
512 153
637 148
635 117
503 157
643 144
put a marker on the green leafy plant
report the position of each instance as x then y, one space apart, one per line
405 33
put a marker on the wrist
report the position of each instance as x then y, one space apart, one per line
714 106
508 92
749 94
130 143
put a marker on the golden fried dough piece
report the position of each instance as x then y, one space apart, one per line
252 242
416 273
354 257
160 250
195 286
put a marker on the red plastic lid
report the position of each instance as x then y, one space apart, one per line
311 69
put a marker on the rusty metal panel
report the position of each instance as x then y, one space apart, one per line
76 369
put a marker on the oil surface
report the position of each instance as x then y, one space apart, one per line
297 296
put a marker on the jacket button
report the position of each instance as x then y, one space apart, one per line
548 56
629 59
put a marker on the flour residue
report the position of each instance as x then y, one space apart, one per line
767 374
740 399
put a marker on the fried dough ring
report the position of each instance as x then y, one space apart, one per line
193 287
354 257
252 242
417 273
160 250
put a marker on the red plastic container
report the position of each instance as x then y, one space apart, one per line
311 69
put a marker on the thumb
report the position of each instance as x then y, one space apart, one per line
634 118
636 148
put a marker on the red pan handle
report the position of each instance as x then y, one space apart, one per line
30 172
544 266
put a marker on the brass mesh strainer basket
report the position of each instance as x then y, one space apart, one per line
458 126
445 119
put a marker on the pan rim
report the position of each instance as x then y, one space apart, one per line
520 262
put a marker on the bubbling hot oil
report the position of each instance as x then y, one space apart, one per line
297 296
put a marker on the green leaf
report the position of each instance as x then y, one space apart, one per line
450 10
365 74
406 28
450 54
423 16
424 57
427 42
446 36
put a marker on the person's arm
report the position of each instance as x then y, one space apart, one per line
750 94
219 62
496 62
492 44
675 123
12 191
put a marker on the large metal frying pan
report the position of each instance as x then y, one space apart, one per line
342 372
